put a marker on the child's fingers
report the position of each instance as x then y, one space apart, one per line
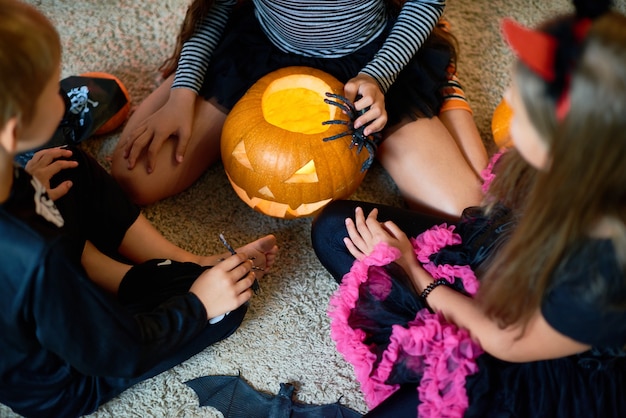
128 138
372 221
45 170
241 271
232 262
243 297
60 191
373 214
46 157
356 253
378 229
350 90
394 230
361 225
181 146
136 144
60 165
53 153
245 283
354 235
154 148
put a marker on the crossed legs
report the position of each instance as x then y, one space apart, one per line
436 162
169 177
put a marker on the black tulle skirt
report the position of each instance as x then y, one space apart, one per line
384 330
245 54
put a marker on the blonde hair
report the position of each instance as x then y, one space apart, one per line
585 182
30 53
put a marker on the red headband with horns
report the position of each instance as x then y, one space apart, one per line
538 50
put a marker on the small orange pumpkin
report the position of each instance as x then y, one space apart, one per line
500 124
273 149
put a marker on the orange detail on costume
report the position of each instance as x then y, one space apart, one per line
120 117
454 96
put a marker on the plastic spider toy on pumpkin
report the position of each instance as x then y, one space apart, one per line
370 142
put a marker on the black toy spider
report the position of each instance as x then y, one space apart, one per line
370 142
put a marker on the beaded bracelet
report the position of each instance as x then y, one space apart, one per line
432 286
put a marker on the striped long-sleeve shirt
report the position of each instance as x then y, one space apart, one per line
319 28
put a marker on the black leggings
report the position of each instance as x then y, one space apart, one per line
327 235
329 230
95 208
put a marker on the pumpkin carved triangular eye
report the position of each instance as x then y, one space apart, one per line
306 174
240 155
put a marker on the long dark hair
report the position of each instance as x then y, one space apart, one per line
196 11
584 184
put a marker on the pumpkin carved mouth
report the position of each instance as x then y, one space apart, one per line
273 150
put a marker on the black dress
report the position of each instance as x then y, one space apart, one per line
385 331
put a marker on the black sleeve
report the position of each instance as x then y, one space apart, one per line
587 302
89 329
96 208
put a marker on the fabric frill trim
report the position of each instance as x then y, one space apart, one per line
445 353
487 174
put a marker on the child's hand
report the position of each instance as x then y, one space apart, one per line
371 96
46 163
226 286
175 118
365 233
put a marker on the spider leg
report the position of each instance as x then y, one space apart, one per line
342 99
377 138
371 149
367 163
340 135
336 122
339 105
342 103
359 140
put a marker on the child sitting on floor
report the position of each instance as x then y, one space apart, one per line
93 298
518 310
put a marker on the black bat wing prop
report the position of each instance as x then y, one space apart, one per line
235 398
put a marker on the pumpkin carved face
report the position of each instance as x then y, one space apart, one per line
273 150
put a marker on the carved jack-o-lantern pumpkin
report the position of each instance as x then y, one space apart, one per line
273 149
500 124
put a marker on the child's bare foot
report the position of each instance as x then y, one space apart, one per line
264 251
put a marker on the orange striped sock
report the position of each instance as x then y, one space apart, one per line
454 96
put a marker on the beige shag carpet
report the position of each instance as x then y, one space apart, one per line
285 336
